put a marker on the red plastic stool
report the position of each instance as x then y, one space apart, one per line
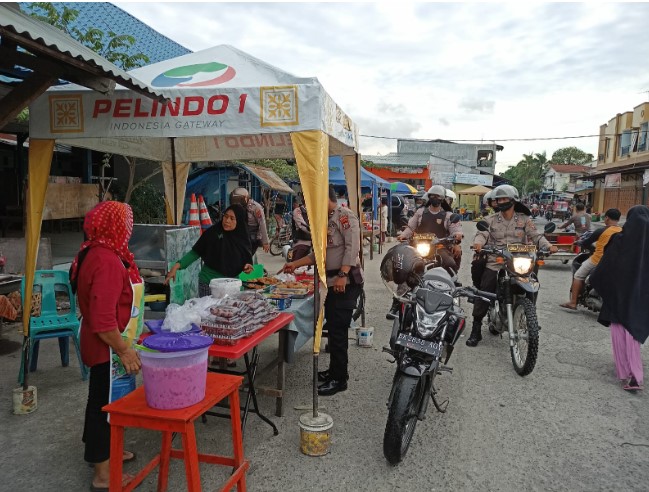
132 411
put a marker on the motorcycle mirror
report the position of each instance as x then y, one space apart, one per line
549 227
455 218
483 226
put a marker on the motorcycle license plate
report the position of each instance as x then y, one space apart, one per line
414 343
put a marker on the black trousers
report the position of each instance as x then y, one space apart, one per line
338 311
488 283
96 430
255 243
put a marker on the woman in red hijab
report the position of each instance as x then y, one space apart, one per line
104 274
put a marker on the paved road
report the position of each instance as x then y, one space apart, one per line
567 426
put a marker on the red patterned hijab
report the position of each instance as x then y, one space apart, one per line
110 225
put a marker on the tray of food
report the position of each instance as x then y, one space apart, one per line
294 292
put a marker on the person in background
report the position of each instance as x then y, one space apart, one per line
603 237
621 280
345 283
256 219
224 248
103 274
581 220
301 232
384 218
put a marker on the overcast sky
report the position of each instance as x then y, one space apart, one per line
435 70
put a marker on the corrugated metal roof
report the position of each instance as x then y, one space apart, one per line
109 17
20 27
268 178
399 160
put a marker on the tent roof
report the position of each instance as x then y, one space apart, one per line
268 178
475 190
337 175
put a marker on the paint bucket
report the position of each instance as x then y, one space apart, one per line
25 401
315 434
364 336
375 247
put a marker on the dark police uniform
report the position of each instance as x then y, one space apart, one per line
427 222
343 248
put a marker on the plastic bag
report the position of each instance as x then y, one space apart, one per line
180 318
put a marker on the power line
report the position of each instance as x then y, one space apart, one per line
451 140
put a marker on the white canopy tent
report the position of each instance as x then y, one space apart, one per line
222 104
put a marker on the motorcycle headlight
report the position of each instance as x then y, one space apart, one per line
522 265
427 323
423 249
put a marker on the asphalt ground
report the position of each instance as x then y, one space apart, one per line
567 426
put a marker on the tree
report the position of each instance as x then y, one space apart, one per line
111 46
571 155
527 175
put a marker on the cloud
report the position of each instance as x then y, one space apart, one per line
443 122
472 105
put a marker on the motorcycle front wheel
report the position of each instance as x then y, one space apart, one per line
526 345
275 247
402 417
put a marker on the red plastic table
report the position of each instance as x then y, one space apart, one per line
250 344
132 411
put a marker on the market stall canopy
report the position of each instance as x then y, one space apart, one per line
47 56
475 190
368 180
268 178
223 105
399 187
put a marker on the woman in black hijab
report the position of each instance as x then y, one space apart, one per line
224 248
621 280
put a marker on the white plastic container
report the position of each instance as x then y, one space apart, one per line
222 287
364 336
174 380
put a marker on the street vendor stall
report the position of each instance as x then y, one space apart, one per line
223 105
471 198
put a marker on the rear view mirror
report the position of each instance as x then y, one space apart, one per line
549 227
455 218
483 226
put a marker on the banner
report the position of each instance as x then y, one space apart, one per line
612 180
474 179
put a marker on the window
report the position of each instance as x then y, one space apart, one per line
642 138
607 147
625 142
485 158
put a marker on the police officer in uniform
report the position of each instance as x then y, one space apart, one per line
344 282
256 219
506 226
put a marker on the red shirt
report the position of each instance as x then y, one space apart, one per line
105 298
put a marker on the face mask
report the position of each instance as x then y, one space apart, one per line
502 207
435 202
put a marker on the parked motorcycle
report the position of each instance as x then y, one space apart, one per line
589 298
514 309
423 336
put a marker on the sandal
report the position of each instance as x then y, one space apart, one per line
567 306
632 385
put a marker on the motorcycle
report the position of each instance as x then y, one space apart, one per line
514 309
589 298
428 244
423 337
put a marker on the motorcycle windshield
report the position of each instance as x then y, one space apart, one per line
433 301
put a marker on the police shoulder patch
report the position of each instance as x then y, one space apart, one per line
344 221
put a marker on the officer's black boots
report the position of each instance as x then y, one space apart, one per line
394 310
476 334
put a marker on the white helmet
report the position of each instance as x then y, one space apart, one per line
437 190
505 191
487 197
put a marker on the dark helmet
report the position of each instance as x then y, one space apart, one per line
402 264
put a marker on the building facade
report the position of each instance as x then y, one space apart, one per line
622 172
424 163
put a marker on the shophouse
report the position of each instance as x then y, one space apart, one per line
622 170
